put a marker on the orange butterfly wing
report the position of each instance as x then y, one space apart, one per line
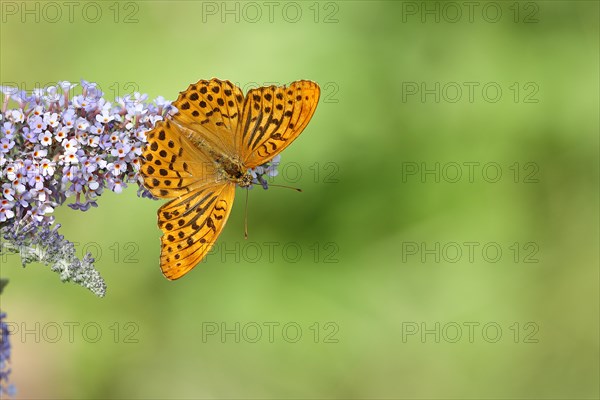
179 163
191 224
209 111
272 118
172 165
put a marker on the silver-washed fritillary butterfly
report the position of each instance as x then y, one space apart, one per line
198 156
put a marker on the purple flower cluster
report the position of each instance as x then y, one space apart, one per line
53 147
5 387
268 169
56 145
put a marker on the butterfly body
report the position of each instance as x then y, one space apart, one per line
197 157
234 171
228 168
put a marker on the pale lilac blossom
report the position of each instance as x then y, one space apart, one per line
57 146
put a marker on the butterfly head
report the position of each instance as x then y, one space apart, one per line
245 180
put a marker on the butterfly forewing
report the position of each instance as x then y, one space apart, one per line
272 118
209 111
191 225
174 166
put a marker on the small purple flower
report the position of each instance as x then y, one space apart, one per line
29 135
88 165
10 172
93 141
81 124
100 161
70 158
6 145
8 130
61 134
39 153
161 102
8 192
37 111
52 95
36 182
117 167
114 137
45 138
16 116
116 185
6 210
47 167
68 120
66 86
269 170
70 146
18 185
105 117
120 150
52 119
97 129
81 101
92 183
37 124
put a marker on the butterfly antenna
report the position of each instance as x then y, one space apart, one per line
246 217
286 187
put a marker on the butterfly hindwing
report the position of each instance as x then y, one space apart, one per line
272 118
191 225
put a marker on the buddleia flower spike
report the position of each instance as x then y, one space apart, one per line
55 147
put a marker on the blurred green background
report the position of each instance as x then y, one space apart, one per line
365 261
